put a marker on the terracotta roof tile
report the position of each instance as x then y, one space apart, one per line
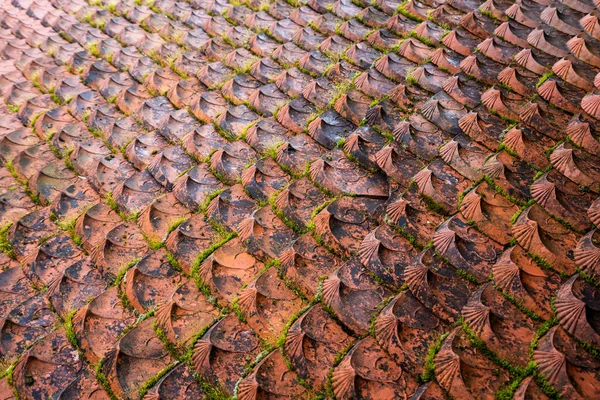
368 200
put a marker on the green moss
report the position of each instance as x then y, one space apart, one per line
429 367
152 381
519 304
69 331
13 108
544 78
167 344
467 275
336 361
507 392
434 206
491 355
503 192
5 245
403 11
103 380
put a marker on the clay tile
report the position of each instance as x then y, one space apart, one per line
429 77
398 163
421 136
463 89
339 175
483 126
562 198
443 111
260 381
27 322
433 182
137 356
158 219
363 144
444 14
94 224
573 300
288 53
329 128
587 256
122 131
307 331
203 141
509 173
386 254
120 245
259 20
353 106
319 92
229 162
357 376
264 179
593 212
384 115
346 221
548 120
292 82
584 51
564 20
303 15
178 382
541 235
150 282
461 41
179 124
561 94
481 68
405 328
105 173
383 39
50 180
363 55
559 363
346 284
308 39
15 288
327 23
236 120
231 207
575 73
46 262
136 192
298 200
267 304
451 240
577 165
298 152
190 63
54 363
315 62
223 352
283 29
70 136
478 24
17 141
142 67
239 88
209 106
167 165
490 213
590 24
464 155
454 362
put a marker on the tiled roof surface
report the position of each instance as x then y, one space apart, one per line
299 199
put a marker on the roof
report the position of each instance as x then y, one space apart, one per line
299 199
